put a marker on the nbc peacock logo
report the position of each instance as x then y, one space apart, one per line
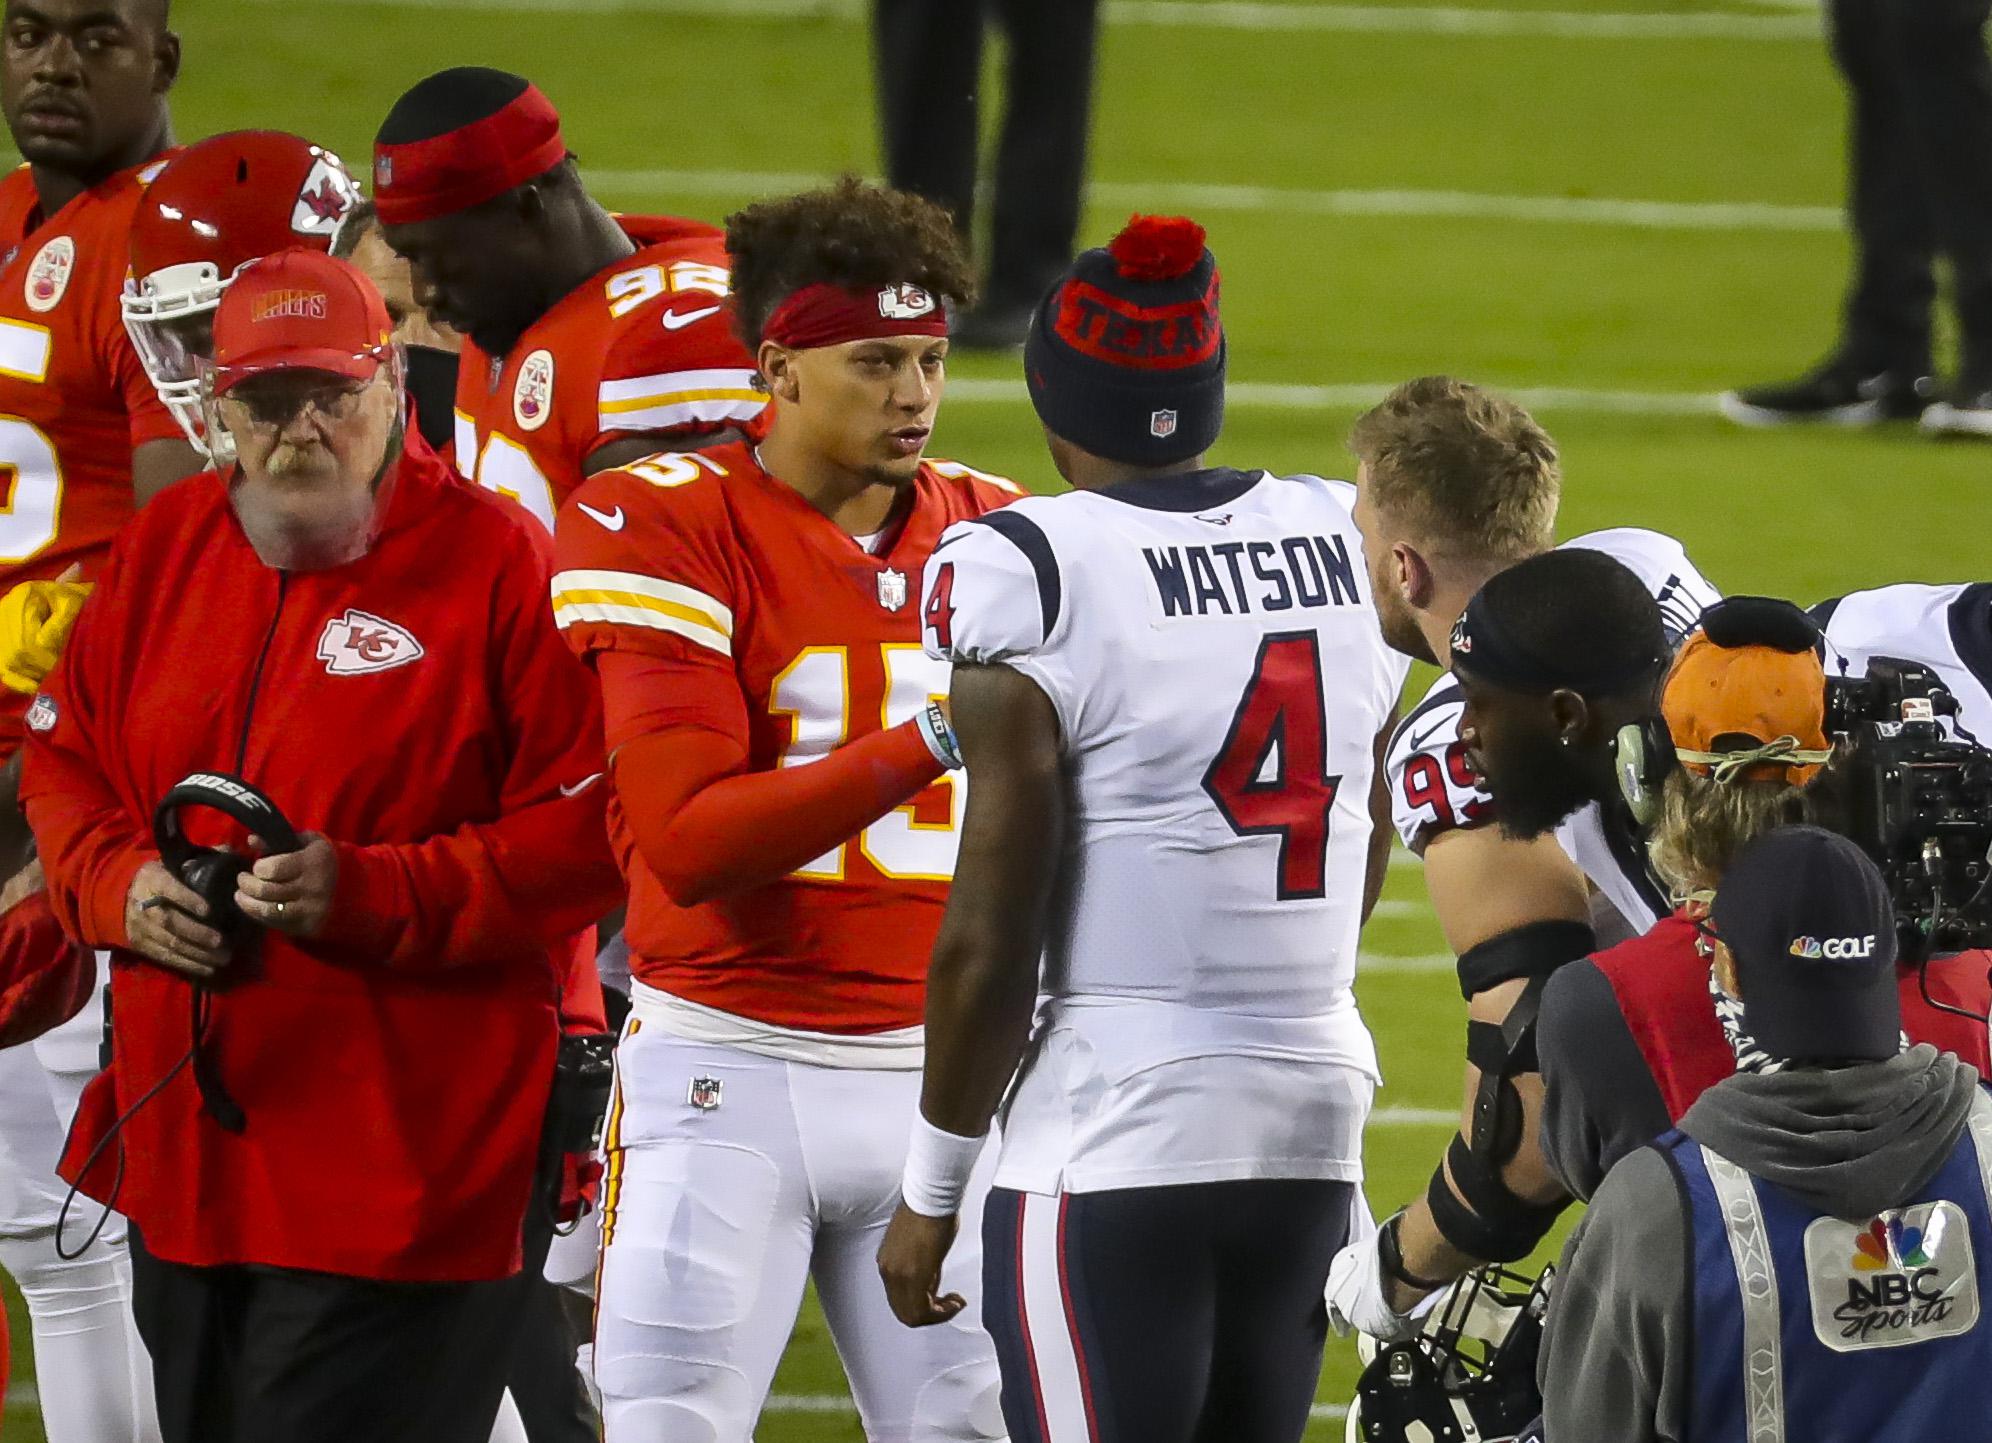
1888 1243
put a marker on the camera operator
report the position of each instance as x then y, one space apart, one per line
1829 1206
1629 1038
327 1088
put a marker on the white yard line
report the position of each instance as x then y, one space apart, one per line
1368 963
1274 397
1234 15
1414 1117
1743 216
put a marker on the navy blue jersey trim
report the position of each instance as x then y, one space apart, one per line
1025 534
1971 630
1182 491
1444 696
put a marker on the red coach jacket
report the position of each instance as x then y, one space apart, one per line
417 707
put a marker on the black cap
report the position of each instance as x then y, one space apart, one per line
1809 920
1126 354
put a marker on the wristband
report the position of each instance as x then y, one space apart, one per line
938 1165
1390 1256
939 736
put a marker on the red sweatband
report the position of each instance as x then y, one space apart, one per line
827 315
422 179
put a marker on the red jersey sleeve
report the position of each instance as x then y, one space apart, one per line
674 365
543 869
44 977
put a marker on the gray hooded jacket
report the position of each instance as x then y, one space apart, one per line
1849 1141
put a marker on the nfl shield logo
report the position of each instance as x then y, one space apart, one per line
1162 424
383 170
704 1093
891 589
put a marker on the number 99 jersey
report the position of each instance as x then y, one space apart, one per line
1213 657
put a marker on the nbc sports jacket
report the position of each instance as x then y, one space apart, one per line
418 708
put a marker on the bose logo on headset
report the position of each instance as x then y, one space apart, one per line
1833 948
248 796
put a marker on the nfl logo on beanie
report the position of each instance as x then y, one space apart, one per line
1126 355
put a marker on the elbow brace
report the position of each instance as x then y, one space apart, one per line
1492 1224
1534 950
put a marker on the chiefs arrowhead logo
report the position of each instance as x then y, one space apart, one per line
360 642
327 194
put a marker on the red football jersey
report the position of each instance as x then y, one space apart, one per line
74 399
646 345
703 558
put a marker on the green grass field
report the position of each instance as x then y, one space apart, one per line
1390 192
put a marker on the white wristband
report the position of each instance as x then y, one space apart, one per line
938 1165
939 736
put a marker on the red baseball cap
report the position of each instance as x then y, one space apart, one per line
299 309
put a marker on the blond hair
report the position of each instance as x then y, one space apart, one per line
1705 823
1464 470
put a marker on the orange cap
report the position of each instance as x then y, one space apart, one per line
1720 694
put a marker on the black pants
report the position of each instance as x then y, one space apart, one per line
1920 144
929 59
255 1355
545 1384
1188 1314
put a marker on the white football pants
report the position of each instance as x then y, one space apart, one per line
713 1218
91 1368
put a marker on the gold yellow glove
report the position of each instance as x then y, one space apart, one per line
35 621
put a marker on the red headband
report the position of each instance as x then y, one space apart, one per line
827 315
460 168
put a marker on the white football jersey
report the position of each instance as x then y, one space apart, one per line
1210 648
1945 628
1432 790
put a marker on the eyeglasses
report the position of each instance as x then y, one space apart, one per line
266 409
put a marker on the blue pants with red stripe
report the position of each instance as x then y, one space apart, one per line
1183 1314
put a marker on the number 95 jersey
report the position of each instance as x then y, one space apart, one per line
1213 656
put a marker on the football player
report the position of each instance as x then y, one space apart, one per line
216 206
1457 484
83 440
431 348
786 814
1170 689
593 339
1945 628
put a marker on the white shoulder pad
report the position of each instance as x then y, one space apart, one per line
1431 788
1662 563
991 590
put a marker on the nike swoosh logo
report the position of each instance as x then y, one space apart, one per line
611 519
581 786
1418 739
678 320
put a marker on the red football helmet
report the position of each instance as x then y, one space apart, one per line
215 207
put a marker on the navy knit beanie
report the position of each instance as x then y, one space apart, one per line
1125 358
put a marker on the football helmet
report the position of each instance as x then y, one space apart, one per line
213 208
1467 1376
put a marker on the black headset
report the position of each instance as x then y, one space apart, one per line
212 871
1644 750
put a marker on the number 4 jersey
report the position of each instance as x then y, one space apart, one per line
1211 651
783 632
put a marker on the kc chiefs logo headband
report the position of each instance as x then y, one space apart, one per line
827 315
420 180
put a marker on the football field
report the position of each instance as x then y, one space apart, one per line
1614 215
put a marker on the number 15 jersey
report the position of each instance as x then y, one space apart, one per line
1210 648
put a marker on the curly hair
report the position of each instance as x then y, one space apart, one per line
848 234
1705 823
